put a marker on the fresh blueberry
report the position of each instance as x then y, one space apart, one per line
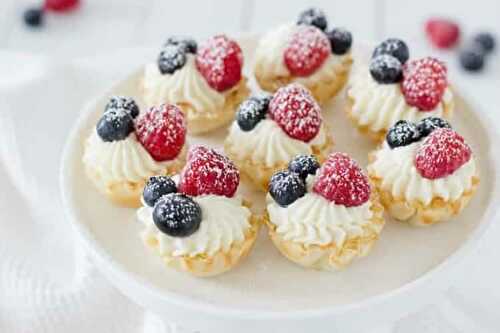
177 215
33 17
189 44
115 125
472 58
122 102
264 99
486 40
402 133
394 47
286 187
386 69
304 165
313 16
340 40
172 58
250 112
429 124
156 187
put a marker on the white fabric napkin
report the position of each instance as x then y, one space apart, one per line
47 283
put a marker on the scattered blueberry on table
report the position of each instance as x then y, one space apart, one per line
34 17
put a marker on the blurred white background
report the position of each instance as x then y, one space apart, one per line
100 42
103 27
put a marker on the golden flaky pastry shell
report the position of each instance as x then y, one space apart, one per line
379 136
204 121
330 257
323 90
204 265
258 173
129 193
417 213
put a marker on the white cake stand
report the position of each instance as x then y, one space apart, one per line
408 268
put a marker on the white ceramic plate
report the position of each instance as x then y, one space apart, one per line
406 267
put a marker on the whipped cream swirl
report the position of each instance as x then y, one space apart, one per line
267 143
379 106
396 168
313 220
184 86
224 222
117 161
270 52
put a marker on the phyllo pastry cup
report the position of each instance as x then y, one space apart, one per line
269 131
122 153
305 52
393 88
424 173
206 82
199 224
327 219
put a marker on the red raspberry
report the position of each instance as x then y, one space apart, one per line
424 83
441 153
342 181
306 51
162 131
208 172
442 33
61 5
220 61
296 112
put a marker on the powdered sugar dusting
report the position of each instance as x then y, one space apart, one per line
123 102
171 58
307 50
220 61
342 181
424 83
442 153
296 112
209 172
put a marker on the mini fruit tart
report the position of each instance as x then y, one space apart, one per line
206 82
323 217
269 131
122 153
394 88
424 172
198 225
305 52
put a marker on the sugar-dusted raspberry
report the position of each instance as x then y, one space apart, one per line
342 181
306 51
208 172
220 61
162 131
424 83
296 112
441 153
